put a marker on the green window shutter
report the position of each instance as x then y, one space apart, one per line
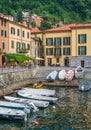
46 51
85 50
54 41
79 50
46 41
85 38
51 41
78 38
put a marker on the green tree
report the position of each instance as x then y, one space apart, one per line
45 25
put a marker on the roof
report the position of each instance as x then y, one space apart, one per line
68 27
35 30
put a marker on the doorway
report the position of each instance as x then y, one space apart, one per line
49 61
66 61
82 63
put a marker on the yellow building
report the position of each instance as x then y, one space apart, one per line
68 45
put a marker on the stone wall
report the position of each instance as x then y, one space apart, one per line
17 76
76 60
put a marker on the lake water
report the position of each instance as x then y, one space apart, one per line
72 112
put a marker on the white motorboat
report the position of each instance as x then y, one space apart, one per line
12 114
18 106
27 101
44 92
37 97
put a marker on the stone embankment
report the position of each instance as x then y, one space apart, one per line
13 80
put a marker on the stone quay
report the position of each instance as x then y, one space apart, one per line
12 79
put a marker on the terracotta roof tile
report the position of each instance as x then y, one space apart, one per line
35 30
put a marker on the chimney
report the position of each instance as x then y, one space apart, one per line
24 23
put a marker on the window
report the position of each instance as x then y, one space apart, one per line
3 33
12 30
3 22
57 41
12 44
57 51
3 45
66 40
18 32
18 45
49 41
66 51
82 38
28 46
57 60
82 50
23 33
49 51
28 35
23 45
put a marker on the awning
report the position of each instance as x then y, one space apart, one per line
38 58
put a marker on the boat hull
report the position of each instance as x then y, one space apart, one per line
79 72
12 114
38 97
27 101
69 75
84 86
12 105
62 75
51 76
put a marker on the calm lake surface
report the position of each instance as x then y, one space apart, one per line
73 112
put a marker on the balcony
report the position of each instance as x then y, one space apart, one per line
57 44
22 50
57 54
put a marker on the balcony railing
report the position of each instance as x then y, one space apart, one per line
22 50
57 54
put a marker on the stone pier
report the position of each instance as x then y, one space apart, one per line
11 81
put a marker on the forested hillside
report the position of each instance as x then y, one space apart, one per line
68 11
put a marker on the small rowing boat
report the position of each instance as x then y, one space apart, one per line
79 71
84 86
38 85
52 76
69 75
62 74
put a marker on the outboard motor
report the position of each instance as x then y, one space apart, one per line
33 107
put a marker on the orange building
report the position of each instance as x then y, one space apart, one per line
14 38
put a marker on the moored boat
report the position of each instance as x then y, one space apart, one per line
27 101
62 74
84 86
69 75
12 114
79 71
44 92
38 97
38 85
51 76
18 106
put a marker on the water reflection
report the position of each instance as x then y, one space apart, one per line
72 112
